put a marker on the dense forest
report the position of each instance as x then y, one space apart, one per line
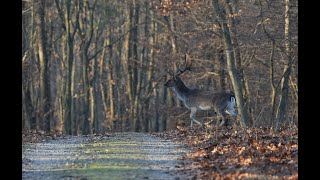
94 66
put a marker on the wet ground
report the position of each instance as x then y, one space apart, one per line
118 156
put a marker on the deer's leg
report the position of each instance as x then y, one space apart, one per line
192 115
224 119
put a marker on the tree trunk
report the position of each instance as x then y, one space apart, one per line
87 92
125 65
45 98
69 104
95 97
273 87
222 70
135 81
129 67
282 108
233 11
233 72
150 34
102 90
174 51
110 82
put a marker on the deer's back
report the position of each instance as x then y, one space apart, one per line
206 99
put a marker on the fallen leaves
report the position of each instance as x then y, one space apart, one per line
34 136
235 153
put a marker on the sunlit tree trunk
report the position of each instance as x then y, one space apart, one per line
110 81
233 72
232 9
28 62
282 108
85 30
129 60
69 40
101 85
273 86
174 50
150 33
125 64
45 96
135 81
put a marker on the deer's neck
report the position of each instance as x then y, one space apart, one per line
181 90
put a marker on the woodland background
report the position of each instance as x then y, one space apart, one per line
92 66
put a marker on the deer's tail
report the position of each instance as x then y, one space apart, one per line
231 106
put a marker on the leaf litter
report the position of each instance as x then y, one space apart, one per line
238 153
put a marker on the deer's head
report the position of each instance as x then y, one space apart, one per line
175 80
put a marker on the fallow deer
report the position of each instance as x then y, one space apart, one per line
194 99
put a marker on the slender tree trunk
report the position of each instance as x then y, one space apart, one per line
157 111
95 98
150 33
102 90
135 81
69 105
110 82
273 87
282 108
233 72
233 10
234 34
29 109
93 95
27 76
173 43
45 98
125 64
129 47
137 103
222 70
87 92
73 114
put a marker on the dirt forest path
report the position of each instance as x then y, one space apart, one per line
118 156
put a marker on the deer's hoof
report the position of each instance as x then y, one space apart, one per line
224 123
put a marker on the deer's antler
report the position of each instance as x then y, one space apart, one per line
187 66
171 74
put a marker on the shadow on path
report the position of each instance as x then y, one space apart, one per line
127 155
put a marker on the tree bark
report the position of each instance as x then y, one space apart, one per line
135 81
110 82
69 104
233 72
45 96
282 108
273 87
222 69
102 87
150 34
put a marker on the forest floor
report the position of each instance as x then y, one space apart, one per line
183 153
237 153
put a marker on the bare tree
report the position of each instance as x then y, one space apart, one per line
282 108
45 96
233 72
96 66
